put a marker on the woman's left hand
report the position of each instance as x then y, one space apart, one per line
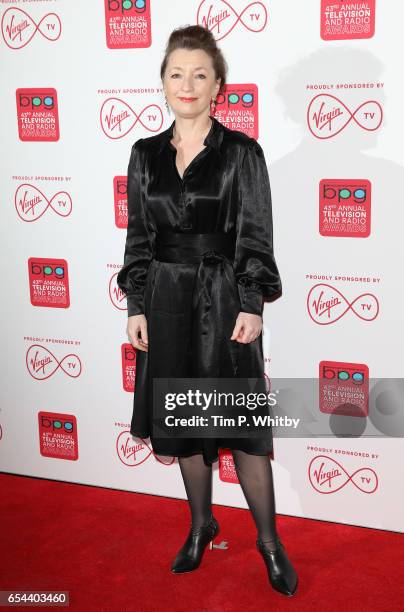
247 328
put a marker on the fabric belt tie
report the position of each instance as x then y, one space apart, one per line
213 305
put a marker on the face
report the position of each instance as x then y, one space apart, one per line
189 82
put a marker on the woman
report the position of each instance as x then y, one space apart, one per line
198 263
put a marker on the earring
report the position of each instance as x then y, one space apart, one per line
214 102
167 107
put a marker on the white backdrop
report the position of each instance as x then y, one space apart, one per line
80 83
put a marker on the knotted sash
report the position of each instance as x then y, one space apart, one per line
215 303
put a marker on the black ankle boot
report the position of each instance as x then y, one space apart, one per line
190 555
281 572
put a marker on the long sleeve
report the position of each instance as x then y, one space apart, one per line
255 267
139 244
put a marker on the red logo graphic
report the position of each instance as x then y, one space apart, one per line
326 305
135 453
342 20
121 201
327 116
328 476
227 469
344 388
127 24
42 364
18 28
117 118
48 282
30 203
237 108
128 355
37 114
220 18
58 435
344 208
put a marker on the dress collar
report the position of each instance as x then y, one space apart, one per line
213 138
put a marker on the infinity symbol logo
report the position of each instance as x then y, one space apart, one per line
42 364
327 116
328 476
326 305
135 453
18 28
30 203
117 118
218 15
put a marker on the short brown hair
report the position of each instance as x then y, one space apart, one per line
197 37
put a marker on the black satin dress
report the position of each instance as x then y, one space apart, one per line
191 306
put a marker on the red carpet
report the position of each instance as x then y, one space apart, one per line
112 550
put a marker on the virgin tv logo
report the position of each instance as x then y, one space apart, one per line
43 364
327 304
116 295
221 18
134 452
118 118
18 27
326 476
31 203
327 116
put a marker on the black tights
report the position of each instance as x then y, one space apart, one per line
255 476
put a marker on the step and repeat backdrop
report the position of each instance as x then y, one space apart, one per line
319 85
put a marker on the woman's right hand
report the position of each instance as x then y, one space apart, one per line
136 324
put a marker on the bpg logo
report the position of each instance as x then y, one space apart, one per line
344 192
334 371
344 207
125 6
227 470
121 201
36 101
128 357
344 388
121 185
46 269
57 424
37 114
49 282
58 435
238 108
127 24
238 96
